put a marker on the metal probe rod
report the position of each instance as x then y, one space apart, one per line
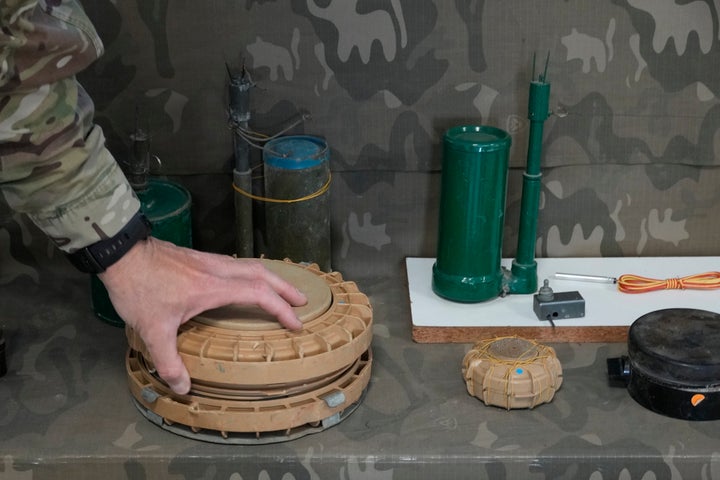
585 278
239 93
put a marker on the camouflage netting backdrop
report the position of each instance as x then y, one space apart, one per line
629 156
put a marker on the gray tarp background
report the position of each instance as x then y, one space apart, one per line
629 170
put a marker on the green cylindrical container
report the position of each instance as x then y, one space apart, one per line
297 207
167 206
472 211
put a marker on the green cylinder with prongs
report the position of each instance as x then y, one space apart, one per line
524 267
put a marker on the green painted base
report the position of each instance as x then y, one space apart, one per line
459 288
523 278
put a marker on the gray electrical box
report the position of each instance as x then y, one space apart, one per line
559 306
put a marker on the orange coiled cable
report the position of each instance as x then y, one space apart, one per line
630 283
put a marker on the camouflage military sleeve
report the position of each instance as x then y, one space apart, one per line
53 162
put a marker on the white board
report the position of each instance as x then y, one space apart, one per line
604 304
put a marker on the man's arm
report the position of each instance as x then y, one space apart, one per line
53 162
55 168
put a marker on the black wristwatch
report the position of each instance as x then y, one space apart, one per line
96 258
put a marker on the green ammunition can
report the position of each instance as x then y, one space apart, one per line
472 211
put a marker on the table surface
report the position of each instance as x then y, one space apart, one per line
604 304
66 412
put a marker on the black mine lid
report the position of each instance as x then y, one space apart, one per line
677 347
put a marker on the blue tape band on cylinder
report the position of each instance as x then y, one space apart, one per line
295 152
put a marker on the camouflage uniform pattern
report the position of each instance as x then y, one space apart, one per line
54 164
629 169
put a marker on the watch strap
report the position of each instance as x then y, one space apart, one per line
96 258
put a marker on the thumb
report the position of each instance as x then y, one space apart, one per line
168 363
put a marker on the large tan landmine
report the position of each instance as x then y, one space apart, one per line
254 381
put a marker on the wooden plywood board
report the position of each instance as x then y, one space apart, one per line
608 312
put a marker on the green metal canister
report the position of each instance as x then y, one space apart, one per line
297 207
472 211
167 206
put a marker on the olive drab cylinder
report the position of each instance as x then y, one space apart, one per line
297 206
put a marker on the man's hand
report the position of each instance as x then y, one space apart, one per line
158 286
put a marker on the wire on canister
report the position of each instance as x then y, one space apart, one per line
630 283
324 188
